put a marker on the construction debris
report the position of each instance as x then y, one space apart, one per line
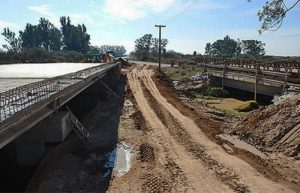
275 128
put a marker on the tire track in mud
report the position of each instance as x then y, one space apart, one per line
211 128
200 177
196 150
158 177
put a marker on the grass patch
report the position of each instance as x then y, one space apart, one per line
209 98
233 113
248 106
184 71
216 92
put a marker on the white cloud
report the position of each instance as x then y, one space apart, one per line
181 6
134 9
42 9
4 24
126 10
81 18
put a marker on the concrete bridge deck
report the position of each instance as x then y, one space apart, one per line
23 107
268 79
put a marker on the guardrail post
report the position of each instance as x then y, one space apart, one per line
285 81
256 81
223 77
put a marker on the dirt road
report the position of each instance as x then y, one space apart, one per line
174 153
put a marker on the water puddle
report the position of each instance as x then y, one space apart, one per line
119 160
241 144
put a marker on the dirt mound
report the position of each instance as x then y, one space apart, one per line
275 128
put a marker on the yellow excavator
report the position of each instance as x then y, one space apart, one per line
108 57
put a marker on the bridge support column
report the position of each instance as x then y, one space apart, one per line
30 146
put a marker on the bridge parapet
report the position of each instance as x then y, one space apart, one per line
279 71
22 99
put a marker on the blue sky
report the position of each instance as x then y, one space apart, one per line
190 23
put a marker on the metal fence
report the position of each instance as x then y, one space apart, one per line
20 98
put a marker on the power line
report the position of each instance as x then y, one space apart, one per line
185 9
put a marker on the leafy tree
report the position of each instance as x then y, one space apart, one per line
147 46
74 38
29 37
208 48
227 47
272 14
44 35
55 36
118 51
155 46
143 46
253 47
93 50
13 41
43 29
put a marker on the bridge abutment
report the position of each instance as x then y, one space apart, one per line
30 146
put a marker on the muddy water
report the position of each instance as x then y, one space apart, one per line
119 160
241 144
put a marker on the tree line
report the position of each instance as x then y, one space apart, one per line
147 48
45 35
228 47
56 44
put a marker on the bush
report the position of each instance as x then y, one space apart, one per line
248 106
216 92
40 55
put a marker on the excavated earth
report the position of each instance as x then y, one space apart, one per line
173 148
275 128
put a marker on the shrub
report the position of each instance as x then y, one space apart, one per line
40 55
216 92
248 106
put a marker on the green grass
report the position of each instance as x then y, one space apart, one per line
209 98
233 113
184 71
216 92
248 106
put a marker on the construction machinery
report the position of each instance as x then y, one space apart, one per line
107 57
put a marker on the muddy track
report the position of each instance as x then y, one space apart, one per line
195 149
186 137
154 170
212 127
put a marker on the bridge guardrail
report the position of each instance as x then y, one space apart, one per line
23 97
251 71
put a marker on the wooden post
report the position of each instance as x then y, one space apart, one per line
223 77
256 81
285 81
159 46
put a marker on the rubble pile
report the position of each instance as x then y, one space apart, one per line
189 87
275 128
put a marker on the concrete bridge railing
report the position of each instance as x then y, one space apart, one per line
260 74
23 107
23 97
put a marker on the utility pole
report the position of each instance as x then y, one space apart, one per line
159 49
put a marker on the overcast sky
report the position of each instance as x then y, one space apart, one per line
190 23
